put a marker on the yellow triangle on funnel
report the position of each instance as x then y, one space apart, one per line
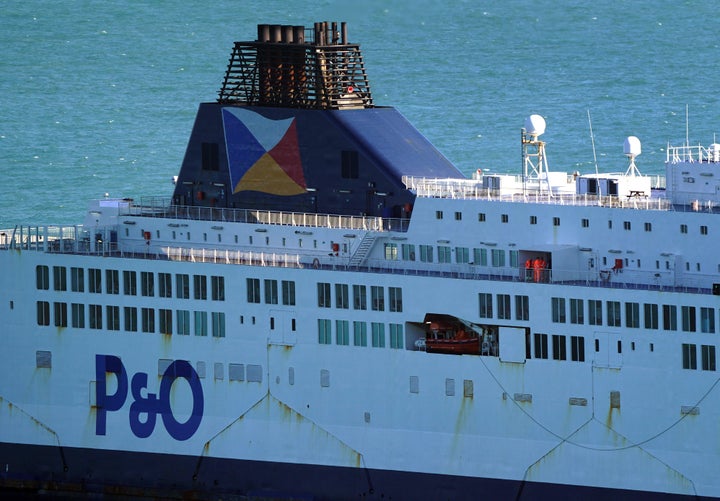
267 176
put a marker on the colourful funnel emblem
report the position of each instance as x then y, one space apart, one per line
263 154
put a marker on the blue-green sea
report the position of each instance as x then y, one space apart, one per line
99 96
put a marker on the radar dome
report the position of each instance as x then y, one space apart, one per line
535 125
632 146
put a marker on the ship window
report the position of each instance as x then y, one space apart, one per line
377 298
59 278
183 322
533 219
395 298
707 320
147 283
577 348
342 296
378 334
130 319
360 333
438 214
112 281
349 164
360 297
486 310
200 287
113 317
480 257
462 255
481 217
391 251
165 321
323 293
408 252
498 257
597 345
689 356
541 345
164 284
458 216
669 317
683 228
342 332
613 313
703 230
522 308
651 315
619 346
626 225
60 313
94 281
324 331
585 223
504 218
218 324
217 286
687 266
594 312
288 293
503 306
577 311
204 237
652 347
77 279
632 345
513 258
648 226
558 309
632 315
42 277
657 265
688 318
556 221
209 153
174 235
708 357
426 253
148 319
95 316
77 312
444 255
609 224
200 323
293 326
157 233
182 286
271 291
559 347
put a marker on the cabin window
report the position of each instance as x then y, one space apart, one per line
391 251
77 315
209 154
59 278
688 318
288 293
522 308
113 317
462 255
349 164
77 279
613 313
360 297
651 315
632 315
707 320
444 255
626 225
147 283
395 298
594 312
217 287
148 319
689 356
513 258
200 323
609 224
408 252
438 214
200 287
498 257
426 253
683 228
533 219
95 316
577 348
323 292
703 230
377 297
182 286
585 223
556 221
94 281
396 336
541 345
164 284
558 309
503 306
378 334
669 317
218 324
559 347
342 296
486 309
577 312
359 333
183 322
504 218
481 217
130 315
458 216
253 290
648 226
60 314
342 332
708 357
480 257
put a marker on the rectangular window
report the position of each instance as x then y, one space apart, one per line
218 324
669 317
164 284
577 348
594 312
648 226
444 255
708 357
503 306
688 319
613 313
42 277
683 228
462 255
391 251
556 221
147 283
689 356
359 297
397 339
129 283
271 291
201 327
60 314
112 281
626 225
377 298
94 281
480 257
395 298
707 320
559 347
183 322
342 296
557 305
78 315
541 345
486 309
113 317
95 311
165 321
577 311
342 332
408 252
522 308
651 315
59 278
378 334
77 279
632 315
43 313
131 317
148 319
182 286
324 331
360 333
498 258
253 290
323 293
585 223
200 287
703 230
426 253
288 293
438 214
533 219
481 217
504 218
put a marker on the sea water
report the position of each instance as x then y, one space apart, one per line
99 97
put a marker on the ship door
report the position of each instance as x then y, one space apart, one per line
608 350
283 327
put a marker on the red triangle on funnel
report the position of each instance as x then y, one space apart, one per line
287 154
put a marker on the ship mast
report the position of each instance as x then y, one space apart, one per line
535 169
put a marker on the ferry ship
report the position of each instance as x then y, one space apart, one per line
326 308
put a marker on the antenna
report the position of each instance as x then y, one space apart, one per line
592 140
687 126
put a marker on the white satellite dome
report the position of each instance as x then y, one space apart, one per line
632 146
535 125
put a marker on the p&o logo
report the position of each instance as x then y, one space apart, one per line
145 410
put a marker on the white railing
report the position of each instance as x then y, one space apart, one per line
697 153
